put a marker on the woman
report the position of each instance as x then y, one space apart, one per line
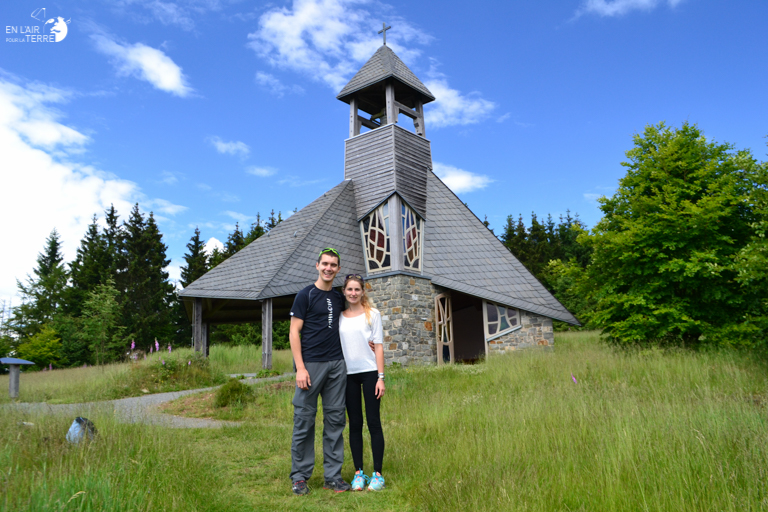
359 324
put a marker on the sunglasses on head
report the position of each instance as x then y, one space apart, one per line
330 250
353 276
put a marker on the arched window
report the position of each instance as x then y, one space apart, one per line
376 235
499 319
412 228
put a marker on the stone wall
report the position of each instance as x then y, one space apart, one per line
536 331
407 306
407 311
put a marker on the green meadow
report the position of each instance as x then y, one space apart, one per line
583 427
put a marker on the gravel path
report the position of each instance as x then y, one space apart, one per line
137 409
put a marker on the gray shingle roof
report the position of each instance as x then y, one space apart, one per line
282 263
460 253
382 65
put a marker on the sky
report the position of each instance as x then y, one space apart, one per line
207 112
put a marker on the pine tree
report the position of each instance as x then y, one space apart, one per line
235 241
43 294
195 265
257 230
89 269
147 292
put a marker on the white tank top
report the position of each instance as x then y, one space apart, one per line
355 334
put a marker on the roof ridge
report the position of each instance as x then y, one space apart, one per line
306 234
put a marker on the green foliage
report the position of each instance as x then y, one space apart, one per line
250 334
43 294
100 326
146 311
168 372
663 262
233 393
536 246
569 283
43 349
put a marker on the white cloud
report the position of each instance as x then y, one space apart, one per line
620 7
460 180
454 108
275 86
262 172
239 217
327 40
181 14
230 148
212 244
296 181
44 186
592 198
168 177
145 63
167 207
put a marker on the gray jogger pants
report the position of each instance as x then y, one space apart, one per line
329 380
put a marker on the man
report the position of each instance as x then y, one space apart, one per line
320 370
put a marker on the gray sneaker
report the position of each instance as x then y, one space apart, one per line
300 488
337 485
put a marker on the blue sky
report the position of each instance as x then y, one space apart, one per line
209 111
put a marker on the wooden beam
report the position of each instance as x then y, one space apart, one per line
197 323
418 123
367 123
266 334
407 111
215 309
391 109
354 124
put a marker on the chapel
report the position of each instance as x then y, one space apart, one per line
447 288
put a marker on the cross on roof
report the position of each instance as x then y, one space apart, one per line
383 30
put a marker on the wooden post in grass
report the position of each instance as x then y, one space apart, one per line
266 334
197 323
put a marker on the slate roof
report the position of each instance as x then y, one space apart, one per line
281 263
382 65
460 253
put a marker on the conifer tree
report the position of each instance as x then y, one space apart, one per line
89 269
147 292
235 241
43 294
195 265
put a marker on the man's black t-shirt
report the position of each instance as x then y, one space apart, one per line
320 311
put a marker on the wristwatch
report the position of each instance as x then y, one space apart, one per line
381 376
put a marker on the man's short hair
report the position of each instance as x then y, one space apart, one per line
331 251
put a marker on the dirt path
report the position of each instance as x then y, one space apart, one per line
137 409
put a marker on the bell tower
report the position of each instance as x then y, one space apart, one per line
389 163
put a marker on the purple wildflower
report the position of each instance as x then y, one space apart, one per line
163 360
145 357
50 366
189 363
157 346
133 344
169 348
150 349
574 379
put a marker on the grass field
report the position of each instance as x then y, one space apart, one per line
638 430
128 379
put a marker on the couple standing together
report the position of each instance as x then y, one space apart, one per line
332 349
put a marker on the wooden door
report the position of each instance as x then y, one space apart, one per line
444 325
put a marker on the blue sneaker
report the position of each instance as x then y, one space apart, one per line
377 482
358 483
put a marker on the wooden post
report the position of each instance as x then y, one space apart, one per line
418 123
354 124
391 109
197 323
266 334
13 382
395 233
205 338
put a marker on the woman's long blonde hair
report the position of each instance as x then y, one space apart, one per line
364 301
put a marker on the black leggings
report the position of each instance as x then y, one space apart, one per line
367 381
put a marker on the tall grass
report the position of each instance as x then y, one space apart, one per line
108 382
126 468
639 430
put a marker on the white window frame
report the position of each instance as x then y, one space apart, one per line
490 337
405 210
388 234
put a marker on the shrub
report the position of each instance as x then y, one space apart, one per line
233 392
43 348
